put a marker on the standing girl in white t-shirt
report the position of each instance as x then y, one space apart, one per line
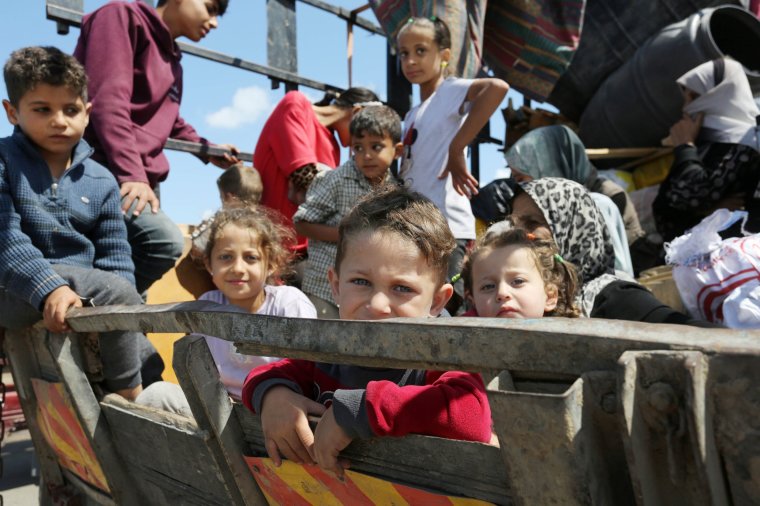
438 130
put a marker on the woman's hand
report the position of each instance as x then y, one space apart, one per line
685 131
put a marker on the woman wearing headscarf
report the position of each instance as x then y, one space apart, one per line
564 210
556 151
717 159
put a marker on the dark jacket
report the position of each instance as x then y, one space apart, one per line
74 221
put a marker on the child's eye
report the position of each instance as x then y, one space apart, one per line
72 111
212 9
360 282
487 287
41 109
420 51
357 149
403 289
518 282
224 257
378 147
403 54
252 258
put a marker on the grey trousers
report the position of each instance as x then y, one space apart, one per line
129 359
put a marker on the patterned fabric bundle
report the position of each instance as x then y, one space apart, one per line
527 43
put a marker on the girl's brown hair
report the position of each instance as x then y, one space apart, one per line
272 236
557 273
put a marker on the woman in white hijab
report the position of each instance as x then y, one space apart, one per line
717 154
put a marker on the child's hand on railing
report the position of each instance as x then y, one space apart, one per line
329 440
286 427
57 303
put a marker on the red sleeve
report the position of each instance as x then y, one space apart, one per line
294 144
454 405
300 372
106 49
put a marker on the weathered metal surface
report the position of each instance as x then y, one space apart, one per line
676 422
91 418
540 440
447 466
282 45
669 445
732 401
212 408
70 12
166 454
196 148
345 14
558 346
609 480
19 347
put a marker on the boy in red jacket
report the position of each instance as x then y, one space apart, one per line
392 261
135 85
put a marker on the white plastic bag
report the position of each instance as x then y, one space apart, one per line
719 280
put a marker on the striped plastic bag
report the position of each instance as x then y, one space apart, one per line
718 279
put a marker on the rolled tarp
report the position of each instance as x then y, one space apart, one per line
637 104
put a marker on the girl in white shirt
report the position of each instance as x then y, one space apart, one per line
437 131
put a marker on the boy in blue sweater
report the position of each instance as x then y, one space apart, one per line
62 234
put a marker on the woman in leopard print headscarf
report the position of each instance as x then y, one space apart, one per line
578 228
563 210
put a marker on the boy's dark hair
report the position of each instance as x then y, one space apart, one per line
378 120
29 66
221 6
406 213
348 98
441 33
242 182
273 237
555 271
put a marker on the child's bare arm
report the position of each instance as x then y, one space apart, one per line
329 440
57 303
317 231
485 96
285 426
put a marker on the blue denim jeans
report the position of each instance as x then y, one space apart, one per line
129 359
156 244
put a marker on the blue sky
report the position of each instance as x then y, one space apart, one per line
228 105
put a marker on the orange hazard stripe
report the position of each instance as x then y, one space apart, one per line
294 484
65 435
345 493
276 489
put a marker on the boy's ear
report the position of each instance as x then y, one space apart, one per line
552 297
332 277
440 298
10 112
399 150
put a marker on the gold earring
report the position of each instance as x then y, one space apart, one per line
444 64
